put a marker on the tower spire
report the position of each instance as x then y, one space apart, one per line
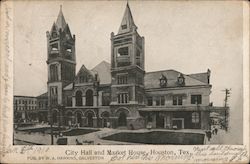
127 23
60 22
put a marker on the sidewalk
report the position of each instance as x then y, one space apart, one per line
222 137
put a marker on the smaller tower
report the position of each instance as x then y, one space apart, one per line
61 59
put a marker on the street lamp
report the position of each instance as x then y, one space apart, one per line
51 125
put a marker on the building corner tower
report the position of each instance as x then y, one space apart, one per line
61 62
127 71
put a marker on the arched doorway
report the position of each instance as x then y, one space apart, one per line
54 117
79 118
122 120
69 118
89 98
78 98
105 119
90 119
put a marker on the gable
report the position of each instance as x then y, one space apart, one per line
84 76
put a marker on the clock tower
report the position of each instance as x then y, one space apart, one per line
127 71
61 61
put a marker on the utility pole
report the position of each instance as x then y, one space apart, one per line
227 95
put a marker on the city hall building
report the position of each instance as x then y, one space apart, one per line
121 94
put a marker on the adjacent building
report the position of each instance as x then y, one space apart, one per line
25 108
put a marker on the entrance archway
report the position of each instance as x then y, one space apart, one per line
68 120
105 119
122 119
79 118
90 119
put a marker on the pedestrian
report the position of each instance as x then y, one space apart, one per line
216 131
209 134
78 143
108 124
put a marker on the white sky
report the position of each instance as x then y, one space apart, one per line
188 36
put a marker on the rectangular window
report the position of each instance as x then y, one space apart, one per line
53 94
162 100
124 26
157 101
122 79
140 98
196 99
82 79
123 98
105 99
177 100
150 101
195 117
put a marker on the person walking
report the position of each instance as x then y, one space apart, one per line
208 134
216 131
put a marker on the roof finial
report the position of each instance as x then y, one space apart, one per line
60 7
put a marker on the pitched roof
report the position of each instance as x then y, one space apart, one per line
44 95
103 70
68 87
203 77
60 22
151 79
127 21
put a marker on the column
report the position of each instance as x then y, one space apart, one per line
83 101
100 98
73 101
95 100
154 102
94 122
153 120
165 121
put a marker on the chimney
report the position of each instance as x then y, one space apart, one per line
208 75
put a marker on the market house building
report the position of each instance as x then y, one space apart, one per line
121 94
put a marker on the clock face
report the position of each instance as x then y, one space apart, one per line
181 80
163 82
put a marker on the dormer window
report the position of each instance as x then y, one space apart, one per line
124 26
163 81
181 79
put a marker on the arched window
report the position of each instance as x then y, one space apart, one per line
78 98
89 98
53 72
